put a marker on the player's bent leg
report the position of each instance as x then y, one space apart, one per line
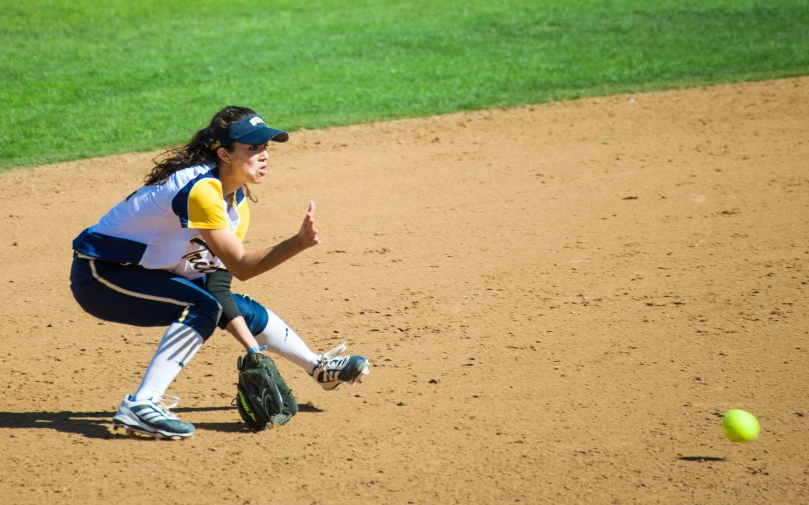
328 369
137 296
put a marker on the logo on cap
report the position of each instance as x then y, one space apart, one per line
256 120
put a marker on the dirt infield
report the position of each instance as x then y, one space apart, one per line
558 301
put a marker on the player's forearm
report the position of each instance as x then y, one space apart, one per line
254 263
238 328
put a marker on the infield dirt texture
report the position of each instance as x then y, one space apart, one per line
559 302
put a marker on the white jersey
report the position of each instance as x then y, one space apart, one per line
158 226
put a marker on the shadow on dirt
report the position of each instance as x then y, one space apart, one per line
237 426
700 459
99 424
89 424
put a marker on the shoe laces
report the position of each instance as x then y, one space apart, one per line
328 355
167 402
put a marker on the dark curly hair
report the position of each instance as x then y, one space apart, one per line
198 150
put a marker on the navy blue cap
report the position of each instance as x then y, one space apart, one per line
251 131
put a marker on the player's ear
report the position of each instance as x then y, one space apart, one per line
223 155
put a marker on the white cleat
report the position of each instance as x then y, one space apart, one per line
334 370
152 419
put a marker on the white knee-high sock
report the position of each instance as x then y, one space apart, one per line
282 340
179 344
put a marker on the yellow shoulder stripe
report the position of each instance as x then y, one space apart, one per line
206 206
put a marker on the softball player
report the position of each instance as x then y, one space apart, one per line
165 256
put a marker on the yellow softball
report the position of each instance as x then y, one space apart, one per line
740 426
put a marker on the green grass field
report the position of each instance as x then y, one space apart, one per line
82 78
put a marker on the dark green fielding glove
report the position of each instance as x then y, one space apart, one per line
263 398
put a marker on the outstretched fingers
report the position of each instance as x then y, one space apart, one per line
308 234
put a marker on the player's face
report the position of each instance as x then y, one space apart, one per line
250 161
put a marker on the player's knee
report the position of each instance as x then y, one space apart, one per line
204 316
255 315
209 305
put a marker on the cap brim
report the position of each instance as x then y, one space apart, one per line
263 136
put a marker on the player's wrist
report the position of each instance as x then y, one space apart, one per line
298 244
256 350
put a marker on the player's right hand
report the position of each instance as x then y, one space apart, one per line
307 236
